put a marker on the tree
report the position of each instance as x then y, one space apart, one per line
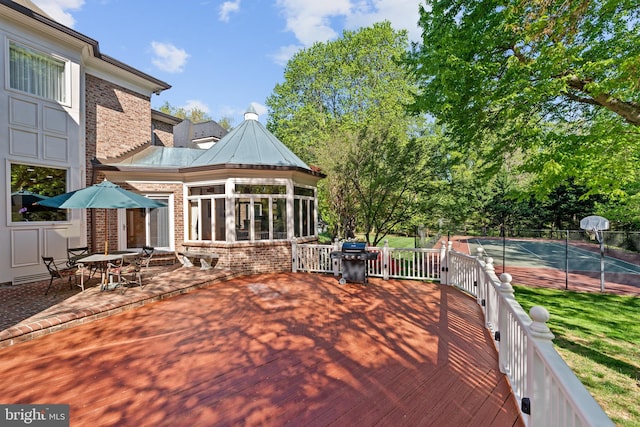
226 122
557 80
341 107
195 115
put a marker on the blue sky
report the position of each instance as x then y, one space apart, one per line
220 56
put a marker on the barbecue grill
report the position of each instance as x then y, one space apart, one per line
354 257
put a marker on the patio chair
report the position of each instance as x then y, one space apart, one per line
74 254
145 261
59 273
124 272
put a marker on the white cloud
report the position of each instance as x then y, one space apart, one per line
168 58
57 9
196 104
260 109
320 21
227 8
285 53
310 20
403 15
237 114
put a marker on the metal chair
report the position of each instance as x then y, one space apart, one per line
145 261
59 273
74 254
124 272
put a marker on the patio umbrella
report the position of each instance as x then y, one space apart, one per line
105 195
24 198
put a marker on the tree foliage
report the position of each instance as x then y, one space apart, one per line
342 107
554 80
195 115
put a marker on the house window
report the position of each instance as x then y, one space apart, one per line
30 184
36 73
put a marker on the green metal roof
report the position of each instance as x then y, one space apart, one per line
162 157
250 144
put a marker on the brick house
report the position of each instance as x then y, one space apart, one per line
89 117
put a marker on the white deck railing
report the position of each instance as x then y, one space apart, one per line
403 263
546 388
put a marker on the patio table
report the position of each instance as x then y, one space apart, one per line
100 260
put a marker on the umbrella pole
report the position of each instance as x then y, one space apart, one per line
106 232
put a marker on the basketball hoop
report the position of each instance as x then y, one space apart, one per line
594 225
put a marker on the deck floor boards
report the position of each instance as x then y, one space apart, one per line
274 349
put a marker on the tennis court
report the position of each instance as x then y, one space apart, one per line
549 254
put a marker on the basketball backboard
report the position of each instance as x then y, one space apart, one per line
594 223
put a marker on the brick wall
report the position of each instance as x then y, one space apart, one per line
117 119
163 133
249 257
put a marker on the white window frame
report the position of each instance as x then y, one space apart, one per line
65 93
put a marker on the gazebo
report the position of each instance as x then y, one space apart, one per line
246 198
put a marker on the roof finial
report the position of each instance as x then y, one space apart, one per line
251 113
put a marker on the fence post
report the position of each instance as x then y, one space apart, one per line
294 256
488 300
536 399
506 292
479 284
386 258
444 264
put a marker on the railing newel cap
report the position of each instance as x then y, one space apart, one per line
489 264
505 283
540 317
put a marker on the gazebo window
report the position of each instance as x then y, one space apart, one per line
261 217
207 214
261 212
304 211
243 219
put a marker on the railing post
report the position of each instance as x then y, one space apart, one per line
488 301
535 401
336 261
386 258
444 264
480 278
501 334
294 256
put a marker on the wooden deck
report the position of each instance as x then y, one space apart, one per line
277 349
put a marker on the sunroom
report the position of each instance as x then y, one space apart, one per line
245 198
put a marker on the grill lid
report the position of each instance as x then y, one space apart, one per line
354 247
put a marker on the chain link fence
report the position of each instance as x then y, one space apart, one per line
625 240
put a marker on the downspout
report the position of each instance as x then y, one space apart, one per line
94 175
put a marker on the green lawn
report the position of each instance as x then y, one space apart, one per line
598 335
395 241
